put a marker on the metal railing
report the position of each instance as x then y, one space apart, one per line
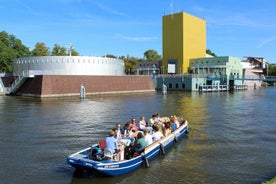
211 88
17 82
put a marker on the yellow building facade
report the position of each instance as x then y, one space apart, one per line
184 38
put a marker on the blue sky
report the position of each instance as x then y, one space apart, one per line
120 27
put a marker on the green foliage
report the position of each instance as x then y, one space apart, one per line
272 70
152 55
74 52
208 51
130 63
40 49
59 51
272 181
110 56
10 48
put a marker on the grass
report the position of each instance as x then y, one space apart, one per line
272 181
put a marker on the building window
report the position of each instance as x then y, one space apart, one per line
176 86
170 85
183 85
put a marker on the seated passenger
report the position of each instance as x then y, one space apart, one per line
168 128
111 143
174 126
157 134
126 128
133 125
175 121
143 124
147 136
140 143
152 120
122 136
158 118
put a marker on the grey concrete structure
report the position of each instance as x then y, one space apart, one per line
68 65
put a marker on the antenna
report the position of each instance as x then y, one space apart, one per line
171 6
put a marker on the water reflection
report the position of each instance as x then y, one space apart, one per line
232 136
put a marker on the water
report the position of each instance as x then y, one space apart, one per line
232 136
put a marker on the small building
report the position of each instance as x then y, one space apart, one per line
218 70
254 68
148 68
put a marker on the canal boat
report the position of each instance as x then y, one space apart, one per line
93 159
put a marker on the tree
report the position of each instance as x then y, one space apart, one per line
272 70
59 51
74 52
10 48
152 55
40 49
208 51
130 63
110 56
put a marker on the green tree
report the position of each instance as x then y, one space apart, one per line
130 63
272 70
59 51
74 52
40 49
208 51
151 55
10 48
110 56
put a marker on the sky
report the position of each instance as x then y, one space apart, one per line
126 27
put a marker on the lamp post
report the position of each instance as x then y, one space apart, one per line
70 47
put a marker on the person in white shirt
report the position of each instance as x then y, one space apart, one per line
147 136
152 120
119 135
157 133
143 124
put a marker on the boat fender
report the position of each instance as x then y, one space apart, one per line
175 138
145 161
162 149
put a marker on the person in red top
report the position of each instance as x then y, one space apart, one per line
133 125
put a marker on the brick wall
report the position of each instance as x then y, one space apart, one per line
57 85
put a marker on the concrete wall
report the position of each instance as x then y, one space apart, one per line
68 65
174 82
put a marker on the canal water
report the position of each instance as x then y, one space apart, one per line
232 136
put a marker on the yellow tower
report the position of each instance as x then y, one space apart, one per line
184 37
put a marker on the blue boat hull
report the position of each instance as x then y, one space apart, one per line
81 161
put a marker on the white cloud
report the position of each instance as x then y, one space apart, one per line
109 10
267 41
